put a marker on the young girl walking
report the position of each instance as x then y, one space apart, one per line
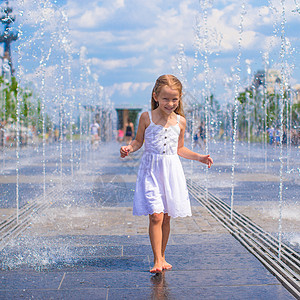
161 190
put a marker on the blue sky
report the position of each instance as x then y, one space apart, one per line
129 43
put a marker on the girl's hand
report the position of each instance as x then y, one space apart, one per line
125 150
206 159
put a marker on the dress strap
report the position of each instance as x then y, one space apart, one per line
150 113
178 119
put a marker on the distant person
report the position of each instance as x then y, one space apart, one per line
95 134
199 137
129 130
2 131
120 135
271 132
284 136
161 190
202 135
277 137
56 134
47 137
196 139
221 133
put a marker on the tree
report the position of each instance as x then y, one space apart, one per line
29 105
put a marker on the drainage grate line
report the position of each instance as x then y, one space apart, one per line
258 232
264 246
13 226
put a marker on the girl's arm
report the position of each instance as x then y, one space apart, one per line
137 143
187 153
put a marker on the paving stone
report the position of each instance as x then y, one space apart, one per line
20 280
79 294
162 290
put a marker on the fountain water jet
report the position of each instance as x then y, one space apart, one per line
237 86
282 87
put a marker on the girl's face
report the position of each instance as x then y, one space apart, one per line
168 99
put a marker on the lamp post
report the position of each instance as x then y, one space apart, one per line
7 37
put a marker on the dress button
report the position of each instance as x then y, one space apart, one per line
164 151
165 144
166 129
165 137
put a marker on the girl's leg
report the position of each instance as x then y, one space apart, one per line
165 238
155 234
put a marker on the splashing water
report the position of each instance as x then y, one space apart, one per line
282 55
237 85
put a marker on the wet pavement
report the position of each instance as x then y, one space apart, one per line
205 266
88 245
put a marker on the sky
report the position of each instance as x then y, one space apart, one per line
127 44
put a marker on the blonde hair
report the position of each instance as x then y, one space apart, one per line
172 82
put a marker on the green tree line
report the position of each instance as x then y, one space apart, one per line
263 110
30 113
257 111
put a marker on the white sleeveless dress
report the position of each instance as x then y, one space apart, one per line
161 184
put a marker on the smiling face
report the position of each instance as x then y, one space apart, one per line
167 99
167 94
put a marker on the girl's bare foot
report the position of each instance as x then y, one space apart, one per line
157 268
166 266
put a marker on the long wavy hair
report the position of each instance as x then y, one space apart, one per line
172 82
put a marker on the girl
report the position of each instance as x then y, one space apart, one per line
161 190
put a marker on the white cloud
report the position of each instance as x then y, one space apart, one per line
119 3
31 13
92 40
127 88
165 27
111 64
93 17
223 27
95 13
